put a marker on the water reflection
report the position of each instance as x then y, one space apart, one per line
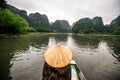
40 41
60 37
7 48
5 66
114 44
86 41
92 54
22 58
57 38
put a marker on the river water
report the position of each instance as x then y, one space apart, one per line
22 58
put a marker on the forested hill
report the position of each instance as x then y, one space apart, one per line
95 25
37 21
87 25
61 26
114 26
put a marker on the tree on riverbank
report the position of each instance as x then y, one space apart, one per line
10 23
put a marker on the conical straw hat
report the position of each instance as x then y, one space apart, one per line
58 56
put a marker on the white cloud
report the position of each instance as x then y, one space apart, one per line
71 10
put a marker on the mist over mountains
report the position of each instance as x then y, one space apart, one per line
40 22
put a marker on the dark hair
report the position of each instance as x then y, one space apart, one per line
51 73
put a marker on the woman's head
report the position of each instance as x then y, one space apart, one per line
51 73
57 63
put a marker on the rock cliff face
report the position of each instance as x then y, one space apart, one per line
114 26
84 25
15 10
36 20
115 21
39 21
61 26
23 13
98 24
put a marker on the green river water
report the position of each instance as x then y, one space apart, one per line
22 57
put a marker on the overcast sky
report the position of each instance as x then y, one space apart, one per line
71 10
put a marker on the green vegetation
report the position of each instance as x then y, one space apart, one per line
11 23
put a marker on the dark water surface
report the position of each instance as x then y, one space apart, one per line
22 58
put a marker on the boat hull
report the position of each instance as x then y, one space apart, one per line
76 72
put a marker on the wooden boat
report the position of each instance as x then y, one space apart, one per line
76 72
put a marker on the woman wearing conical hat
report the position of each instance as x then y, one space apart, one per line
57 63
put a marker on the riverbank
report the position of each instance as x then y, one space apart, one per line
44 33
97 35
27 34
21 34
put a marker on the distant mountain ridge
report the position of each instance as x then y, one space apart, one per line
40 22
